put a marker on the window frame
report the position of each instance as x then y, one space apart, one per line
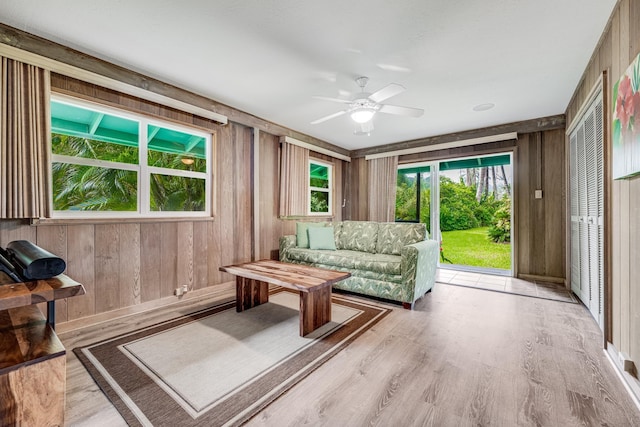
418 187
328 190
143 170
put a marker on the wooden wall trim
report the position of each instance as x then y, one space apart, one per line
504 146
255 193
445 145
53 51
315 148
110 83
526 126
597 87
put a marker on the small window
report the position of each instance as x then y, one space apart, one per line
111 163
320 188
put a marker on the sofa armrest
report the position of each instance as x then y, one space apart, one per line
418 264
286 242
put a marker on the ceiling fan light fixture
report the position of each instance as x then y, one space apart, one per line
362 114
363 129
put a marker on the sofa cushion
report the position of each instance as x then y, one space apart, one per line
337 230
353 260
358 236
302 236
393 236
321 238
364 274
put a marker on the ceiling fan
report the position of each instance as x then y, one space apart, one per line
365 105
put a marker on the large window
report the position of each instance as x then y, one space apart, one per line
111 163
320 188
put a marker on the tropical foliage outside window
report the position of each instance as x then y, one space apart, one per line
470 201
320 188
413 194
111 163
474 207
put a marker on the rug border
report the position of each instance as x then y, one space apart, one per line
240 417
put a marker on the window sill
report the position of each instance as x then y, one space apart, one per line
141 220
307 217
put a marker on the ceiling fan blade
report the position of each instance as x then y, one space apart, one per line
401 111
329 117
387 92
326 98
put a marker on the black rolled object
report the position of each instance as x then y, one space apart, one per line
33 262
8 268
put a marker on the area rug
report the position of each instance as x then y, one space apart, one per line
218 367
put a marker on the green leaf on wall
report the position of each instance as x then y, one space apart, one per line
617 138
635 78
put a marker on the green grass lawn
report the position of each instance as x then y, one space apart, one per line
473 247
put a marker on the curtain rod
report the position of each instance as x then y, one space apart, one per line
315 148
444 145
109 83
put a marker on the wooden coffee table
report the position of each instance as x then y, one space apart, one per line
313 285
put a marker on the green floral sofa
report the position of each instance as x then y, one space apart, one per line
394 261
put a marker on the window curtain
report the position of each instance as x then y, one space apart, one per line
25 141
294 180
383 174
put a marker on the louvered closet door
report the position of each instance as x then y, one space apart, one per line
600 219
586 144
575 216
583 229
592 214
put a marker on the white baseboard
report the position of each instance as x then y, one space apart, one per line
631 384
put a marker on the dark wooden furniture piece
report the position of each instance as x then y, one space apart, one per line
32 358
313 285
36 291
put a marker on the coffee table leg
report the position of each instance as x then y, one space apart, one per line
315 309
250 293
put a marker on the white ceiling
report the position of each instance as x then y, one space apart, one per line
269 57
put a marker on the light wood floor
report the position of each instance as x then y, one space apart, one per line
463 357
512 285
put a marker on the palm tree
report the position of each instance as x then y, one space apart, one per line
78 187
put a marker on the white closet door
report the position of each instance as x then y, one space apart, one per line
587 208
583 227
575 215
591 169
600 218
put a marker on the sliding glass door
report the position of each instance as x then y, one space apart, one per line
466 204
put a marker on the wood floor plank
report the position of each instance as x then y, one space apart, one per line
463 357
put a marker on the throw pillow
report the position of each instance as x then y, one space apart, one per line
302 238
321 238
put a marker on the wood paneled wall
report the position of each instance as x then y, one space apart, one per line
619 45
540 223
126 263
538 164
357 208
271 228
123 264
